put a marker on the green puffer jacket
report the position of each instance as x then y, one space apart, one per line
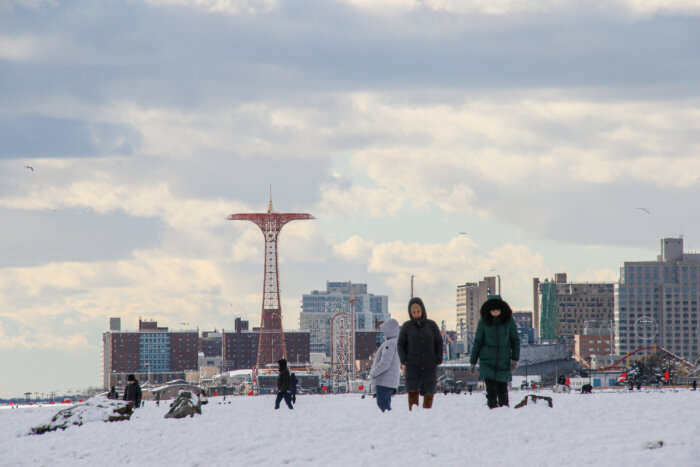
496 342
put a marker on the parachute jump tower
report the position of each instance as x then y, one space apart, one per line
271 344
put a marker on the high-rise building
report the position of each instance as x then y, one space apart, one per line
470 297
656 302
319 307
153 353
566 307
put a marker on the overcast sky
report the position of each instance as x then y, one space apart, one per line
538 128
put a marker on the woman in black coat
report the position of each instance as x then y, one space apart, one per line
420 352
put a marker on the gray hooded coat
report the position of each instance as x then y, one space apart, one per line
386 365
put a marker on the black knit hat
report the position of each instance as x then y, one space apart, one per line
131 378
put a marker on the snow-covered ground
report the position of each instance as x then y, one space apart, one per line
604 428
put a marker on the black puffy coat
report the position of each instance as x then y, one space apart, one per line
284 377
420 342
132 392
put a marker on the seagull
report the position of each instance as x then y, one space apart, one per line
29 167
645 210
463 233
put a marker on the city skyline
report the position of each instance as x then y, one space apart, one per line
448 141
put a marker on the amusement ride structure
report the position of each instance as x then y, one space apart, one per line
271 344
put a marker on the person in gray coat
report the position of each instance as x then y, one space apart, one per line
386 366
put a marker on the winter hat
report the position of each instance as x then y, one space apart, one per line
131 378
282 362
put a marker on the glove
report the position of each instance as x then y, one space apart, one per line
513 365
472 368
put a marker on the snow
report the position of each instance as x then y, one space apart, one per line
643 428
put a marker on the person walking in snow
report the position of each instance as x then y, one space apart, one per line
113 394
420 352
385 372
293 381
695 384
283 385
497 349
132 391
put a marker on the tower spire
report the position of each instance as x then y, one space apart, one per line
270 209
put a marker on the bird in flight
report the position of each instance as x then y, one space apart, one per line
463 233
645 210
29 167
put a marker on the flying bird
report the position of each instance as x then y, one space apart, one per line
645 210
463 233
29 167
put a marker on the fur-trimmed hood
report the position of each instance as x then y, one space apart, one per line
496 303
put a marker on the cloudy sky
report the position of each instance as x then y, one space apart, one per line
536 127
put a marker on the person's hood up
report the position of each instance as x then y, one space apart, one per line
390 328
282 363
424 315
496 303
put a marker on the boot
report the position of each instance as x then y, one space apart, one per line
412 399
427 401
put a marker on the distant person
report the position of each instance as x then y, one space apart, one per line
469 388
420 352
293 381
132 391
386 367
113 394
158 399
587 389
695 384
497 349
283 385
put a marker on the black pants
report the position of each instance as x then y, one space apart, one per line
287 399
496 393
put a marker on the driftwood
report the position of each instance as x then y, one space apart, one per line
187 403
533 398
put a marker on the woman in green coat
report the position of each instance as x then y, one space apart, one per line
496 348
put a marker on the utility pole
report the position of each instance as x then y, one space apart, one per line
352 327
611 342
412 286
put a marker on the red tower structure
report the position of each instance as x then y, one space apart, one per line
271 344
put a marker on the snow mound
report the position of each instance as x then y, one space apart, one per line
95 409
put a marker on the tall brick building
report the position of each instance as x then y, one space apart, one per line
240 347
154 354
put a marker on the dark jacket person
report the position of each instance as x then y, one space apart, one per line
497 349
283 384
132 391
420 351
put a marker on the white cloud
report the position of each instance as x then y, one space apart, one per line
637 8
439 267
231 7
